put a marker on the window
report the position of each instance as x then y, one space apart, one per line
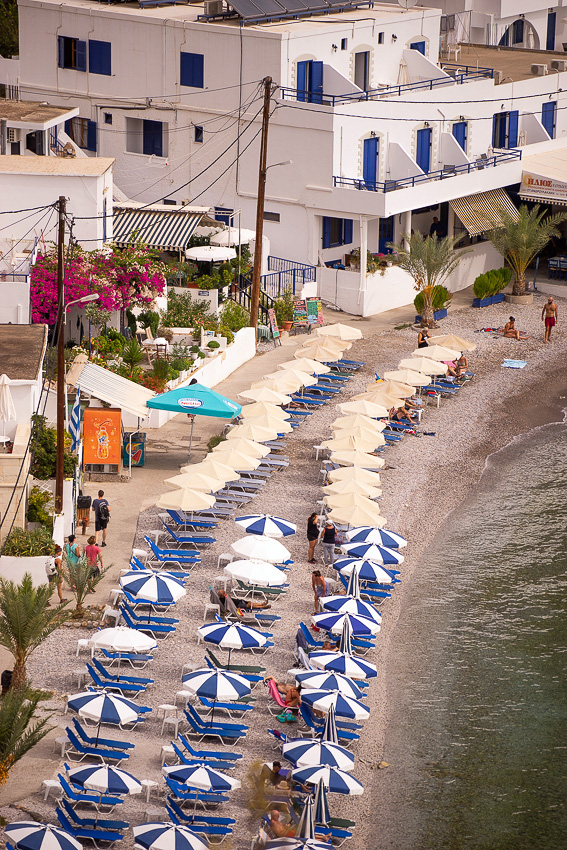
99 57
224 214
270 216
169 202
518 31
336 231
310 81
107 117
34 142
361 67
198 134
192 70
380 38
548 116
419 46
344 43
82 132
505 129
147 137
72 53
460 133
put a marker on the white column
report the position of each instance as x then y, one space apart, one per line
406 222
451 221
363 250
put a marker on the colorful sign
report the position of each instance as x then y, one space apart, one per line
189 402
273 323
314 311
300 312
102 436
543 188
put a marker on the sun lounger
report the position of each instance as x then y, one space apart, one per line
155 630
186 794
216 764
148 617
226 734
208 755
95 835
181 539
107 743
184 520
215 829
357 642
173 557
122 686
134 680
188 818
238 708
345 736
104 803
93 823
280 704
243 670
79 751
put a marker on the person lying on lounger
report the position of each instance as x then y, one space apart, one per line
280 830
290 693
273 775
228 605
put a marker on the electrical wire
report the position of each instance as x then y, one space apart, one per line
36 224
29 209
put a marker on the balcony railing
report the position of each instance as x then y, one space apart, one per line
442 174
467 73
286 274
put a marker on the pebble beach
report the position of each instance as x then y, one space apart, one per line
424 478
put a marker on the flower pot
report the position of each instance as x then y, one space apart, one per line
438 314
287 326
498 299
520 300
482 302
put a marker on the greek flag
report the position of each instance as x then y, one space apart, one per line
75 423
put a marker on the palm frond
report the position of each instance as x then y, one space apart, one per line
17 736
25 618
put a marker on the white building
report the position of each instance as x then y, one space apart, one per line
380 135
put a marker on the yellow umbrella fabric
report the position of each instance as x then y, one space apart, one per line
357 458
346 442
196 481
237 460
356 515
320 352
259 430
437 352
408 376
328 341
357 419
423 364
305 379
344 332
367 408
279 385
360 432
357 487
345 500
393 387
453 341
354 473
213 466
262 408
186 500
282 426
247 447
265 394
305 364
382 398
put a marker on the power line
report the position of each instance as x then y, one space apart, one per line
29 209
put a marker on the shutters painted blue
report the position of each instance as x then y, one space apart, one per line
91 136
513 128
192 70
505 40
385 234
326 232
152 141
316 82
61 51
548 117
370 163
68 127
302 81
423 152
347 231
460 133
518 31
550 38
419 46
100 57
81 55
495 134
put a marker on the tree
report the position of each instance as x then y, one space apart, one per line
521 239
429 261
81 579
8 28
26 621
17 711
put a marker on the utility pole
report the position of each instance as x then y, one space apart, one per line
60 357
255 295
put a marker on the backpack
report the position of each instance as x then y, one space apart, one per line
104 513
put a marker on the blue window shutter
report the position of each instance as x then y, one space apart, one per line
495 141
550 37
326 232
99 57
61 51
68 127
153 143
460 133
81 55
505 40
192 70
347 231
419 46
517 31
91 136
548 117
370 162
316 87
301 80
513 129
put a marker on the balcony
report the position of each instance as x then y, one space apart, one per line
447 172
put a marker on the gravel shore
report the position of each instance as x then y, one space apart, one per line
423 481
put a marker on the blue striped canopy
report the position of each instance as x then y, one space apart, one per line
104 707
271 526
30 835
232 636
321 805
202 777
216 684
367 570
373 552
344 662
321 679
335 780
381 536
333 621
306 826
295 844
306 753
349 605
347 707
162 589
105 779
167 836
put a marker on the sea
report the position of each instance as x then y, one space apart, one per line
477 738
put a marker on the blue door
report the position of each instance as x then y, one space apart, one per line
518 31
370 163
385 234
419 46
548 113
310 81
423 152
460 133
550 39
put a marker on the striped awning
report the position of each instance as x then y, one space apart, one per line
159 226
106 386
480 212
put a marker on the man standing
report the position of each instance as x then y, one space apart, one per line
329 538
550 315
101 510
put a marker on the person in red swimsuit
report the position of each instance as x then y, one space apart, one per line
550 315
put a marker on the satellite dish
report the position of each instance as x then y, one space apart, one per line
407 4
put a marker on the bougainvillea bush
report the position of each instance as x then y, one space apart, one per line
131 277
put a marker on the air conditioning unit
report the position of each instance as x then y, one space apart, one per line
559 64
539 70
13 135
213 7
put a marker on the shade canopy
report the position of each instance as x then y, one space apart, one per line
408 376
453 341
236 459
347 441
196 399
354 457
341 500
161 588
323 680
213 466
101 707
365 407
397 388
382 536
263 408
260 429
437 352
373 552
247 447
265 394
382 398
305 364
215 684
195 481
423 364
306 379
167 836
344 706
365 570
232 636
283 384
186 500
333 621
357 420
257 573
122 639
337 781
202 776
357 515
210 254
105 779
343 332
305 753
266 524
352 487
261 548
354 473
321 352
342 662
334 343
233 236
31 835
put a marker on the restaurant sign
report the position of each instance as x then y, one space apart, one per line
536 187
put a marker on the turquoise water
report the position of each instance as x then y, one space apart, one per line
479 741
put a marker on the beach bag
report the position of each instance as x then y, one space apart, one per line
104 513
50 567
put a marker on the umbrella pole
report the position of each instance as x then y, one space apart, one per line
213 714
191 436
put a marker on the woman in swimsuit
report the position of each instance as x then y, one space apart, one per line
422 338
510 329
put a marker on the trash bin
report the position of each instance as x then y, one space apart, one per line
138 449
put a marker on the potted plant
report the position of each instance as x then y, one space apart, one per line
212 346
283 308
194 351
440 298
488 287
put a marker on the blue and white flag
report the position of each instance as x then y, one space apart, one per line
75 422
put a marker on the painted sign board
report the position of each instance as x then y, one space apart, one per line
543 188
273 323
102 436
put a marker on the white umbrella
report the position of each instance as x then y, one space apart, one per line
363 432
263 408
233 236
423 364
284 383
214 467
186 500
351 487
344 332
357 515
354 457
347 500
257 573
437 352
237 460
354 473
408 376
210 254
7 409
453 341
305 364
247 447
257 429
347 442
260 548
265 394
122 639
397 388
365 407
333 343
305 379
357 420
320 352
195 481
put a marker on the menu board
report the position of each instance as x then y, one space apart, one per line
273 323
300 312
314 311
102 439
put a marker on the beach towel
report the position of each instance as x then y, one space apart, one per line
514 364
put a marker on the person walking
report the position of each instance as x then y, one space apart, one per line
312 536
101 510
319 588
94 558
329 539
549 315
57 559
72 551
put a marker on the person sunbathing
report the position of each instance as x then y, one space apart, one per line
510 331
330 647
290 693
228 604
280 830
273 775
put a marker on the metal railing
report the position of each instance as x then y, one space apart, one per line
286 274
241 295
467 74
432 176
56 147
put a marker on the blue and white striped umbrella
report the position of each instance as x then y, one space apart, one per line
381 536
337 781
306 826
321 680
105 779
30 835
343 662
75 422
347 707
266 524
373 552
167 836
306 753
329 733
348 605
216 684
321 805
103 707
202 777
295 844
367 570
161 588
345 644
232 636
333 621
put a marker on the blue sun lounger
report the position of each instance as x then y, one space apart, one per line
217 764
208 755
211 827
107 743
95 835
87 798
93 823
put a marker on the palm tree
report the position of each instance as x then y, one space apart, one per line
429 261
521 239
81 579
17 710
25 621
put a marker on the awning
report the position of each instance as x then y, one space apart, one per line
479 212
106 386
159 226
544 177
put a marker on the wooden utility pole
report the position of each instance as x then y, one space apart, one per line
60 358
255 294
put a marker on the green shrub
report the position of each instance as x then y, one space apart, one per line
149 319
283 306
160 369
132 353
180 364
227 333
194 349
116 336
492 282
184 312
234 317
45 454
214 441
38 500
132 323
28 544
441 299
214 343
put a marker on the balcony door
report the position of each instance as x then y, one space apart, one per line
370 169
310 81
423 149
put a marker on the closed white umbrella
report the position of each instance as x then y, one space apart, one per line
247 447
408 376
210 254
185 500
260 548
305 364
357 458
265 394
423 364
263 408
437 352
343 332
